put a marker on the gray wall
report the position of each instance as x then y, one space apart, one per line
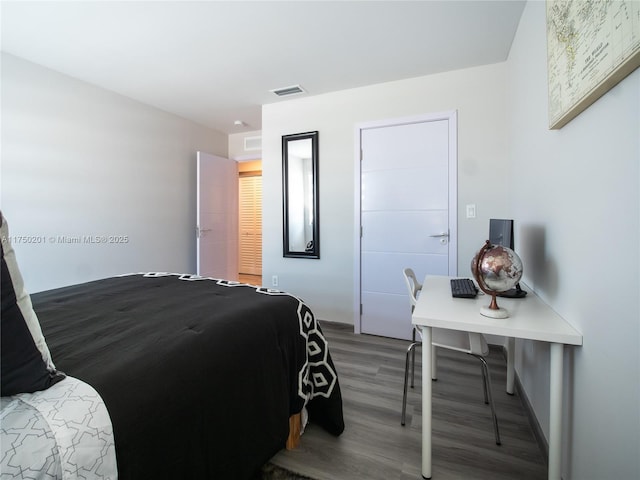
81 162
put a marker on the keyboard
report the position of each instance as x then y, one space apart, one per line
463 288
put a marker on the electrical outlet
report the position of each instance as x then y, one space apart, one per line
274 281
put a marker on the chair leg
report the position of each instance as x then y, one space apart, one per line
410 351
484 385
487 378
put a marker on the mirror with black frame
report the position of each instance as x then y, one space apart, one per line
300 195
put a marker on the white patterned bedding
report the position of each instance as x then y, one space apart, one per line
63 432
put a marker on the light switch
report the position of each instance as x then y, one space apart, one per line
471 211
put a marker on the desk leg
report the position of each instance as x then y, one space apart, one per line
511 370
555 411
426 401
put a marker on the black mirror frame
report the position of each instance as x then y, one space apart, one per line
314 250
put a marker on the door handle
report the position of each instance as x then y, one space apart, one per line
444 237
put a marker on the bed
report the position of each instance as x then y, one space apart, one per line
197 377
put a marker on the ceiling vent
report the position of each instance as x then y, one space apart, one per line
292 90
253 143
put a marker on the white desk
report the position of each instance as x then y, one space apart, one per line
529 318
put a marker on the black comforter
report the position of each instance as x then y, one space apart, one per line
199 376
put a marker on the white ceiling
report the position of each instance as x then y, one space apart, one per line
216 61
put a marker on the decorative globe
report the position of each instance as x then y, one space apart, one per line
496 269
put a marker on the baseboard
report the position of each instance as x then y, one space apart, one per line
335 323
531 416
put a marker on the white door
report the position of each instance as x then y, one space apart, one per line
408 216
217 217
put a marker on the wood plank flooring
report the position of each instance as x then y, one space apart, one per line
375 446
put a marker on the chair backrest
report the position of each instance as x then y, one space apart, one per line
467 342
413 286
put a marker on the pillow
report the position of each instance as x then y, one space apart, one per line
26 362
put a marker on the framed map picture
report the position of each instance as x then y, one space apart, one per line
591 46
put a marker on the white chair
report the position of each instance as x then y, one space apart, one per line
471 343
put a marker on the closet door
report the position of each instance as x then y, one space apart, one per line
250 196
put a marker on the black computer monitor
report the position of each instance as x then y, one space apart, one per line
501 233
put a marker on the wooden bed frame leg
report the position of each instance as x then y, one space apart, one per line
294 432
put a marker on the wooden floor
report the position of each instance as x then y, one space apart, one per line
375 446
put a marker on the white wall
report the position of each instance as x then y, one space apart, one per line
576 202
328 284
78 160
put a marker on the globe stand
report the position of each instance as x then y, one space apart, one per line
493 310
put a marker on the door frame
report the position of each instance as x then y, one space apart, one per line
452 117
